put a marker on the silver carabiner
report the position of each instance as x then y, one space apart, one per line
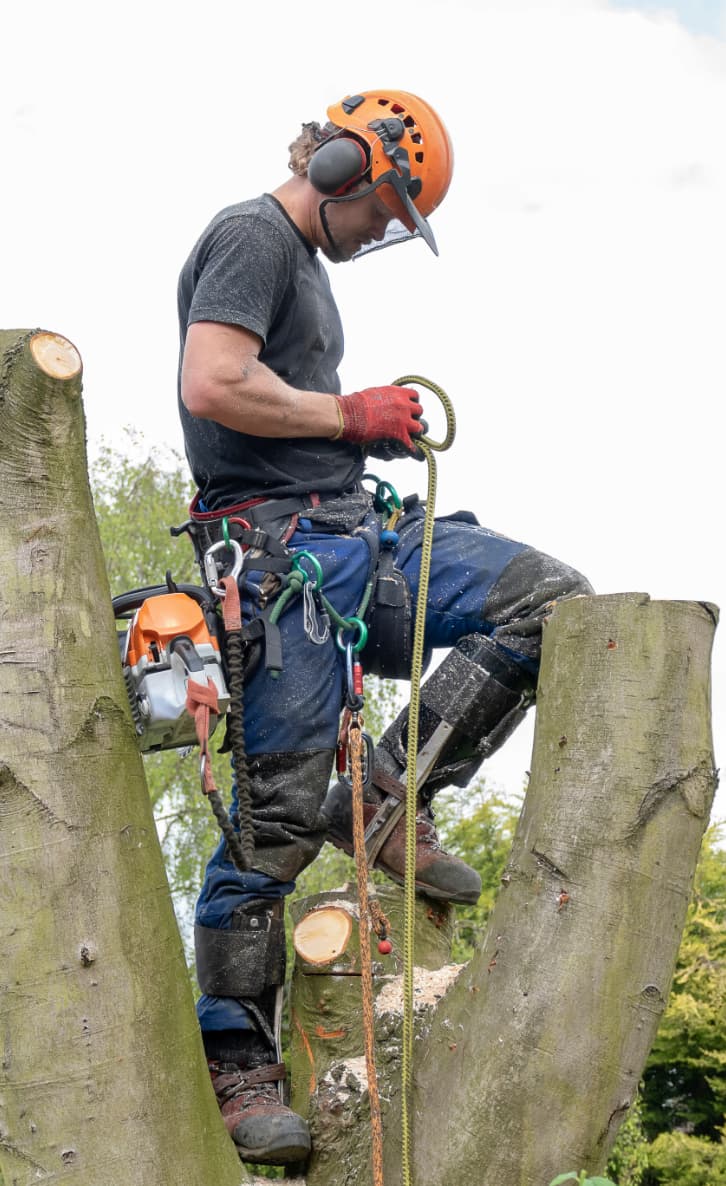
210 564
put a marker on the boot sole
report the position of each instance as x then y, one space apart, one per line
428 891
285 1154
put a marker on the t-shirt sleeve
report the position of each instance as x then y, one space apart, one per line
244 264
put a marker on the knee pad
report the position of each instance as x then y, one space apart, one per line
248 958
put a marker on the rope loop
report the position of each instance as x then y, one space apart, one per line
419 381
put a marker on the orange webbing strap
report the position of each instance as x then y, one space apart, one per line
231 609
356 756
201 701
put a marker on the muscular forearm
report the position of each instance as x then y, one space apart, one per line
259 403
224 380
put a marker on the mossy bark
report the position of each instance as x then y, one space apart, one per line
102 1076
575 970
530 1061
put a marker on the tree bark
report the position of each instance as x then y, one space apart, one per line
528 1064
326 1017
102 1075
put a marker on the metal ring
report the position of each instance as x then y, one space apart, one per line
352 624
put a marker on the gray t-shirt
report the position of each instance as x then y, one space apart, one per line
252 267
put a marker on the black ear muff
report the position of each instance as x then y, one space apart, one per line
337 164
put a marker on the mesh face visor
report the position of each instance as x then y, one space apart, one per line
396 232
395 195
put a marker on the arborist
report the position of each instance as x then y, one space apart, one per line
273 445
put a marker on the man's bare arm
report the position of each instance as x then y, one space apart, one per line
224 380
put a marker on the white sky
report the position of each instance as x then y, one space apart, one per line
576 313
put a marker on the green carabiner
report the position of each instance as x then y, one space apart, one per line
353 624
225 531
384 485
297 566
380 502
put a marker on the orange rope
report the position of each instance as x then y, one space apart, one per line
356 756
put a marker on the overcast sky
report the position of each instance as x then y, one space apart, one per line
575 315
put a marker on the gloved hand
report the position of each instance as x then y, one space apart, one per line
394 451
381 414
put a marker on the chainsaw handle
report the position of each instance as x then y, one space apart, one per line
126 603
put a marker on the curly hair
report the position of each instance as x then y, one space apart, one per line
304 146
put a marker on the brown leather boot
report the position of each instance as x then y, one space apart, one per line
262 1128
469 706
439 874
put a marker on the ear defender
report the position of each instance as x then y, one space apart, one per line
336 165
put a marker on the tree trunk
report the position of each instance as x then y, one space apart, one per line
326 1018
102 1076
529 1063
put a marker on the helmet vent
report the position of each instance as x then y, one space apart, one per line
396 108
416 136
383 102
419 157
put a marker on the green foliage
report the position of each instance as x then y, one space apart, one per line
478 827
137 500
674 1134
629 1158
685 1080
581 1179
677 1159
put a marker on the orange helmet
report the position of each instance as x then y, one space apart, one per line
395 141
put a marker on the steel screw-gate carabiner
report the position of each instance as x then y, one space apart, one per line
353 680
210 564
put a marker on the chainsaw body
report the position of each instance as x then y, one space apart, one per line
172 638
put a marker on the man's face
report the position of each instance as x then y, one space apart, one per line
353 224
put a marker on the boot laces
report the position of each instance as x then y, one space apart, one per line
231 1083
426 834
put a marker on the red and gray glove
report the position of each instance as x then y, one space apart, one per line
381 414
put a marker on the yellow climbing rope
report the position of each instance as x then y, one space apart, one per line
428 447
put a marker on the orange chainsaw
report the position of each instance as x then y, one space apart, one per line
173 634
